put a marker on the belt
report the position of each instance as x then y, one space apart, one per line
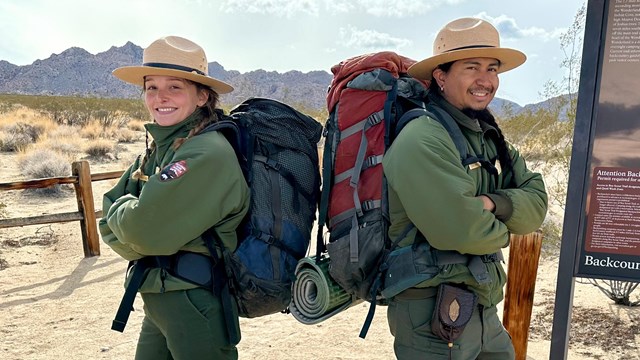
417 293
195 268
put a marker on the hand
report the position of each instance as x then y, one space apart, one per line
487 203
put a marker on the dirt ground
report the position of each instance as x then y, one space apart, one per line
57 304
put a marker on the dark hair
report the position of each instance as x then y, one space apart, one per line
483 115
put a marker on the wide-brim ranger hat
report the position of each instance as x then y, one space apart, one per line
467 38
173 56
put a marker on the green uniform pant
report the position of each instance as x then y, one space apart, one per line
484 337
184 325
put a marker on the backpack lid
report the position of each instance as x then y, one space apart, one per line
348 69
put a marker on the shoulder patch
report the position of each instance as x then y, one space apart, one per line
174 170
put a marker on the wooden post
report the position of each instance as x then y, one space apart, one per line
524 253
84 195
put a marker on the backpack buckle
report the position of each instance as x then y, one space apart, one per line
372 161
374 119
272 164
368 205
267 238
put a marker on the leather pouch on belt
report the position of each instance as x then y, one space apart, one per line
454 307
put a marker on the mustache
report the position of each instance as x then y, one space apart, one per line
482 88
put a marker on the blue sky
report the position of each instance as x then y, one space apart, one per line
282 35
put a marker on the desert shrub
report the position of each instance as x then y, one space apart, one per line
45 163
92 130
110 119
64 132
136 125
14 142
17 137
22 127
125 135
65 140
77 111
100 148
616 290
70 148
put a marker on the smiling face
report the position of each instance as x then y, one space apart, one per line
170 100
469 83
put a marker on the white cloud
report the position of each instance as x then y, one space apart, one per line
402 8
509 29
352 37
379 8
340 6
284 8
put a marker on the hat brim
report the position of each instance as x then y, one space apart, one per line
509 59
135 75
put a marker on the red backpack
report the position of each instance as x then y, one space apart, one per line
368 94
370 99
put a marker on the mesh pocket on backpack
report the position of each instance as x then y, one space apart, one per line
255 296
356 277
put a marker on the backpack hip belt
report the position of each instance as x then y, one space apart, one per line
195 268
408 266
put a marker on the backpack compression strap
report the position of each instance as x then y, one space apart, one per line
138 276
223 288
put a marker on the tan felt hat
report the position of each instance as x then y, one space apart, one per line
173 56
463 39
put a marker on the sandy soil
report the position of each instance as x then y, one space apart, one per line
57 304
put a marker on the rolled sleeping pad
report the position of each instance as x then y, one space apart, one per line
315 295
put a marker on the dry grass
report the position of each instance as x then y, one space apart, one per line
100 148
136 125
127 136
94 130
46 144
21 127
45 163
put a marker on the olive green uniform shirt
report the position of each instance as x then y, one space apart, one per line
188 190
429 187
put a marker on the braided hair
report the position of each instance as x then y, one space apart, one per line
483 115
211 114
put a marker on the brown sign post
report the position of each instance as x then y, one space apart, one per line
524 253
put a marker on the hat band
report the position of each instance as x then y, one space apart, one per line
174 67
471 47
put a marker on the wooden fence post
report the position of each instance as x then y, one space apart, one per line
84 195
524 254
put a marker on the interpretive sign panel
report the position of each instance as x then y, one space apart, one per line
611 246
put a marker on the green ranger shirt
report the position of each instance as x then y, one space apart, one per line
188 190
429 187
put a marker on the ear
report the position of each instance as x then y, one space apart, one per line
203 97
439 77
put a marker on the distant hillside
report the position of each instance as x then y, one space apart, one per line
76 72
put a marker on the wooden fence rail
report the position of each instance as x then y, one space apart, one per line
87 215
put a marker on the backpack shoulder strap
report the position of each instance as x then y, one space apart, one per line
229 129
447 121
444 119
454 131
234 135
